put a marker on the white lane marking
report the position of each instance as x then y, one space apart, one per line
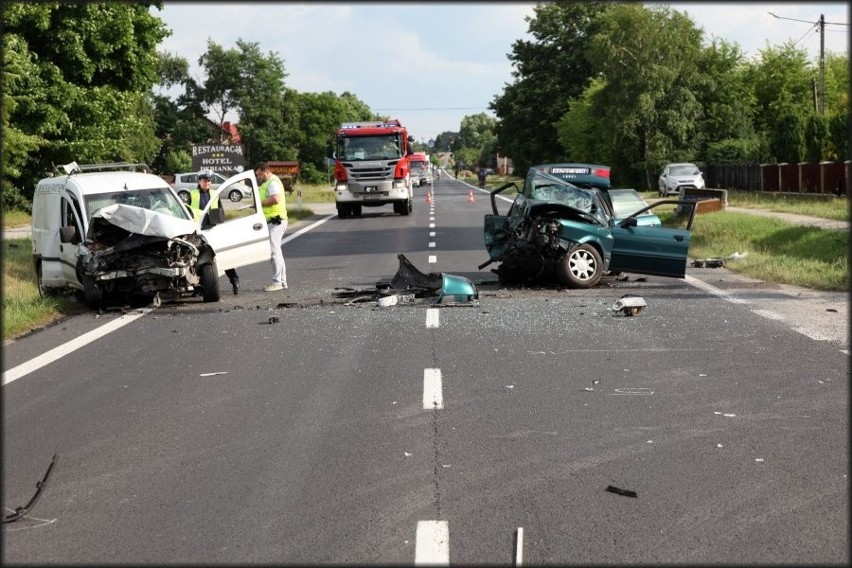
431 218
433 259
712 289
433 544
23 369
431 233
431 225
769 314
433 317
810 334
846 351
308 228
62 350
431 245
433 397
519 547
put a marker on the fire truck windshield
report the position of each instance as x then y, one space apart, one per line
383 147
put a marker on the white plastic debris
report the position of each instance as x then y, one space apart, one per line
212 374
386 301
629 305
407 454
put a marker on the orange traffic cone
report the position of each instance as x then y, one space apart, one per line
470 196
428 197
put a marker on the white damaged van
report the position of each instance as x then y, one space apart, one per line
120 235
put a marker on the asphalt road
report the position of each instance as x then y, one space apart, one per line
535 428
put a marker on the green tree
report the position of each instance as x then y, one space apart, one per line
728 100
88 69
781 80
547 71
648 104
579 130
319 116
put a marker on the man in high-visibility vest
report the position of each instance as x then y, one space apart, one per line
198 199
275 210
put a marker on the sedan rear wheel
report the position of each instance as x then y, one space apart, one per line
581 267
235 195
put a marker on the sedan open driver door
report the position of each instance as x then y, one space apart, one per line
656 250
239 234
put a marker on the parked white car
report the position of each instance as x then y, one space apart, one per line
680 175
117 234
186 182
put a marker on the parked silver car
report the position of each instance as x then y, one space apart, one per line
681 175
186 182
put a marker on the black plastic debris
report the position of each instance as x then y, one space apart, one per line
274 319
21 511
709 263
409 284
620 491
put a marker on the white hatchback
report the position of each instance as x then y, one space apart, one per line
682 175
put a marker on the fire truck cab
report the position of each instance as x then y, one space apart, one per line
371 167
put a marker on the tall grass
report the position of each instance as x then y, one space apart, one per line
777 251
23 308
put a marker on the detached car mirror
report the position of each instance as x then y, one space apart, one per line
629 222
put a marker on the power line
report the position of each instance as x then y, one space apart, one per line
434 108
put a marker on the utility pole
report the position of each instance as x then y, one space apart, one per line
822 64
821 23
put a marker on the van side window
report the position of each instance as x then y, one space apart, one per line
70 218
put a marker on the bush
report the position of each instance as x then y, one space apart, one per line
12 199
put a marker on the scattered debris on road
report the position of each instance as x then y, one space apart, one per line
620 491
410 285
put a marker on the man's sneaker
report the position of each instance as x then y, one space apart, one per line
274 287
236 287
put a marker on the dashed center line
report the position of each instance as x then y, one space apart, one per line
433 544
433 397
432 317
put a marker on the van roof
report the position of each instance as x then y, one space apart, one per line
104 182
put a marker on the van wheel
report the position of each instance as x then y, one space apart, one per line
42 291
404 207
580 267
92 294
210 282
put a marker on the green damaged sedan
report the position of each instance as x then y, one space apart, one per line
563 225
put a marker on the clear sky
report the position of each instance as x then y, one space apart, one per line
432 63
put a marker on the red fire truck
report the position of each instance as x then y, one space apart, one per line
371 167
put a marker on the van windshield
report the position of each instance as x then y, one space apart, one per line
157 199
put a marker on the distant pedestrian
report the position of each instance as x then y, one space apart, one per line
482 175
275 210
198 199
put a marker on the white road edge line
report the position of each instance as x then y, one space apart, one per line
433 396
310 227
433 544
23 369
768 314
45 358
433 317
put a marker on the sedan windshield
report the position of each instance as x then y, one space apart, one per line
156 199
548 188
385 147
684 170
